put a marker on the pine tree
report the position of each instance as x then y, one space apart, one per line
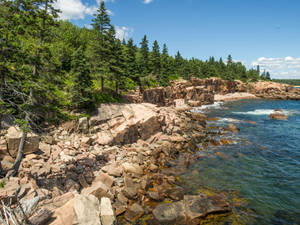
178 63
101 22
116 60
268 76
130 61
155 59
81 92
101 25
144 64
165 67
229 60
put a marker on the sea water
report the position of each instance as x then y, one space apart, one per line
263 164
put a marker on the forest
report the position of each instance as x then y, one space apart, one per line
49 67
295 82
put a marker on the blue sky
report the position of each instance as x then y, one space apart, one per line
264 32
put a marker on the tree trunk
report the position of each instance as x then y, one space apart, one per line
102 84
117 87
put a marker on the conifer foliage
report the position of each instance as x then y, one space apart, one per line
49 66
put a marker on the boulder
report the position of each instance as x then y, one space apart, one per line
134 212
87 210
106 212
13 138
131 188
132 168
170 214
98 189
83 125
198 206
232 128
64 214
105 179
278 116
124 123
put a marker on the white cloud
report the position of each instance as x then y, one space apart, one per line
287 67
76 10
123 32
147 1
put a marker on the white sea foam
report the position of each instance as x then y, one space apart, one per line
260 112
229 120
216 105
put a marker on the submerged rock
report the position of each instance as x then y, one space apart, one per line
190 210
231 127
169 214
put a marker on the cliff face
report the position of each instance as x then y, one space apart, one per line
197 92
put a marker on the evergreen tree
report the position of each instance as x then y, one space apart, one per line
101 25
155 59
229 60
144 64
116 60
165 67
178 64
130 61
81 92
268 76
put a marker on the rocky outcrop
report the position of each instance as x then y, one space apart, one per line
74 172
273 90
124 123
193 95
197 92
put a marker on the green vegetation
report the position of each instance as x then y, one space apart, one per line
294 82
2 183
49 67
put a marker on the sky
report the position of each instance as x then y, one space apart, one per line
255 32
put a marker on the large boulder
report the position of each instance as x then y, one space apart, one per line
87 210
83 125
107 213
170 214
190 210
64 214
278 116
13 138
198 206
124 123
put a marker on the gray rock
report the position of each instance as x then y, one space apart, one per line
106 211
83 125
87 210
197 206
134 212
169 214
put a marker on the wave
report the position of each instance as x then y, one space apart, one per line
229 120
260 112
216 105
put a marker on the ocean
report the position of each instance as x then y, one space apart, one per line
262 165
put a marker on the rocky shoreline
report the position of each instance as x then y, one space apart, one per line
120 165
